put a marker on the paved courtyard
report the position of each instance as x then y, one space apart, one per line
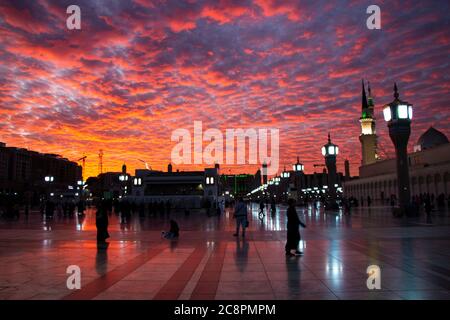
207 262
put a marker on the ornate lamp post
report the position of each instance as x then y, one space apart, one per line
398 115
330 151
298 169
285 177
48 181
123 178
285 174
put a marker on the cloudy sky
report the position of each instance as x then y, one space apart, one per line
137 70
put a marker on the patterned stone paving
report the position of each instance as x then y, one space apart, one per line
207 262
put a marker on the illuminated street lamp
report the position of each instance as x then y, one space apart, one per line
330 151
298 169
123 178
285 174
48 180
398 115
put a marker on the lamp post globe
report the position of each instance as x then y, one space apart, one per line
330 152
298 170
398 115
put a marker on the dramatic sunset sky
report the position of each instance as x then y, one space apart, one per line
139 69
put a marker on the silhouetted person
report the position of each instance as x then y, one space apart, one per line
142 210
101 223
293 232
428 207
161 208
347 205
27 208
80 207
168 206
261 207
207 206
42 207
392 201
221 207
174 231
441 200
240 214
273 206
49 208
369 201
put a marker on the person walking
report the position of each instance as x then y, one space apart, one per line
273 206
240 214
428 208
102 223
261 209
293 232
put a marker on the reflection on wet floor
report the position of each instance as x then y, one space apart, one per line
208 262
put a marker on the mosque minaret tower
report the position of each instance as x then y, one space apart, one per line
368 136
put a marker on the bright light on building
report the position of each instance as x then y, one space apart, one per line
387 113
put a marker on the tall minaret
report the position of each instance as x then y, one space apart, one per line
368 136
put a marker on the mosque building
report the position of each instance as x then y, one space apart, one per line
429 163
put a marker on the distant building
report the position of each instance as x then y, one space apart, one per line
109 185
188 189
429 171
239 184
312 184
25 170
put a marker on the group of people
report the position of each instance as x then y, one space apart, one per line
293 225
62 208
127 208
262 206
240 215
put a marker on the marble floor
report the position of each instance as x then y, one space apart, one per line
207 262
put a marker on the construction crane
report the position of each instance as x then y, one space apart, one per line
146 164
83 166
100 161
